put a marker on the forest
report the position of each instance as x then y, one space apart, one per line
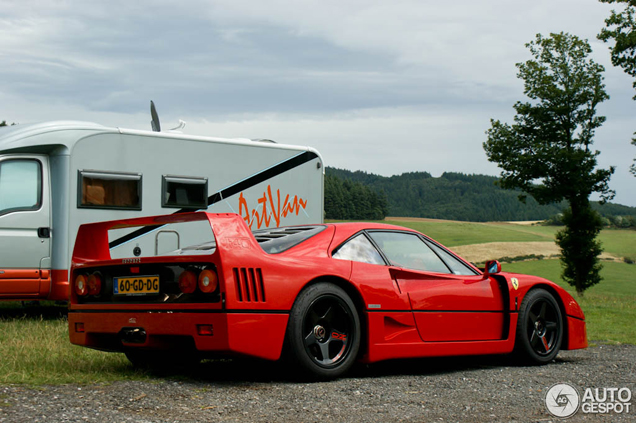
452 196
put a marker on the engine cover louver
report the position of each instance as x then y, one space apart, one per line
249 284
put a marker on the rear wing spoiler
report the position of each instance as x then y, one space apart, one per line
232 235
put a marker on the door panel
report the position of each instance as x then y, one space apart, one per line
451 307
451 326
24 208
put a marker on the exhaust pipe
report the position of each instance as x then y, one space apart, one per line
132 335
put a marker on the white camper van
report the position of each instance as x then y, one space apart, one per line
56 176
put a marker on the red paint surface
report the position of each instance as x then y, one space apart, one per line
404 313
33 284
577 334
249 334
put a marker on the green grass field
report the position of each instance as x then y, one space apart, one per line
35 350
453 234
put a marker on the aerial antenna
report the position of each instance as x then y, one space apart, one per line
156 126
182 124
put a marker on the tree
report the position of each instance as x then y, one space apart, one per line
621 27
353 200
546 152
3 123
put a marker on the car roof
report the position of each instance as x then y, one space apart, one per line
347 229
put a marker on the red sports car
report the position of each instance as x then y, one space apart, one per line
325 295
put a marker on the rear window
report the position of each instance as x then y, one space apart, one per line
277 240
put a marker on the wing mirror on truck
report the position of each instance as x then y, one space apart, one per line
492 267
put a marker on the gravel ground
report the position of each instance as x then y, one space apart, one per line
477 389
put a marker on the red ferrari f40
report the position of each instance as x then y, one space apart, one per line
324 296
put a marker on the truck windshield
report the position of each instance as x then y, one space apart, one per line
20 185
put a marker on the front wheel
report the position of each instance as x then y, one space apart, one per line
540 328
323 335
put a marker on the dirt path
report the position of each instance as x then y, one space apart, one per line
478 253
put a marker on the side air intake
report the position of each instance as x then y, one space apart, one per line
249 284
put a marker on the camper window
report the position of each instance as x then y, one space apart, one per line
184 192
108 190
20 185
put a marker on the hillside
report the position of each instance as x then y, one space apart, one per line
456 196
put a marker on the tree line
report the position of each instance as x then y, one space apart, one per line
453 196
351 200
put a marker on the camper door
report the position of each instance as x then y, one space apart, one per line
24 223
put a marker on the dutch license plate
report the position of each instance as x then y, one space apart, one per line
137 285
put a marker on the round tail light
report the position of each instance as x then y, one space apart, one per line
208 281
81 285
94 284
187 282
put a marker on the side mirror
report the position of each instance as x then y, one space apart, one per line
492 267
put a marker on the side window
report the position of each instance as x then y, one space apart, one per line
360 249
456 265
20 185
109 190
184 192
408 251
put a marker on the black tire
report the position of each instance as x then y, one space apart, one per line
323 335
539 328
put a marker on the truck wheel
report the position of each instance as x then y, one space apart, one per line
323 335
540 328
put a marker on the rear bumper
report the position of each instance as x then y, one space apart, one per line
253 334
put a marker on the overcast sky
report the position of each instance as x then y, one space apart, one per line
382 86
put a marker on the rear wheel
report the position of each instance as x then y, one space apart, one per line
540 328
323 335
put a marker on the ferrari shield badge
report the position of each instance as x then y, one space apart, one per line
515 283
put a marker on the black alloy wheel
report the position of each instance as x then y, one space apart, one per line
540 327
324 331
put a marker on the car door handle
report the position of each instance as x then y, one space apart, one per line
44 232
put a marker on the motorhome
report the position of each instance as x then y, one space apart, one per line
56 176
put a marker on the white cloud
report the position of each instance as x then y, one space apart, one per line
386 87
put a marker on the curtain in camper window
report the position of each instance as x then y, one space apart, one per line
20 185
109 190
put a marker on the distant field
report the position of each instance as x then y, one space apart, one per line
463 233
618 242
